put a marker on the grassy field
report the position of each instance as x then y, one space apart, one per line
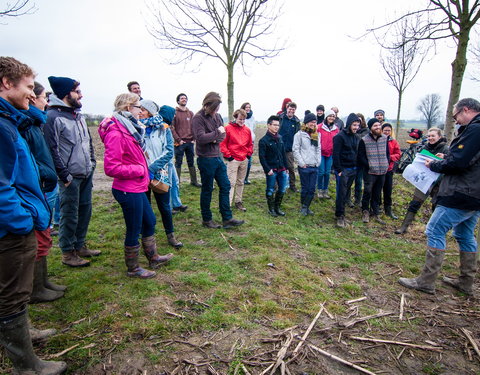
230 298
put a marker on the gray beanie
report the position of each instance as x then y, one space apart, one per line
329 112
150 106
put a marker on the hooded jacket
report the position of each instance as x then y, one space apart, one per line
238 142
23 206
69 139
182 125
345 145
306 152
326 134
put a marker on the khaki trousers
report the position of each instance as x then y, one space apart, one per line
236 172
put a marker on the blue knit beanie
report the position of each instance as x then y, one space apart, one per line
61 86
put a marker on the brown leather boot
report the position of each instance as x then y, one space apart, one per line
87 253
71 258
173 241
149 245
131 261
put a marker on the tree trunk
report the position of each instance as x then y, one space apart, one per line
458 70
399 107
230 91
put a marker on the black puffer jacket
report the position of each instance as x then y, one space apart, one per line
459 187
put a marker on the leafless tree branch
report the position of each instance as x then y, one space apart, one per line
17 8
430 107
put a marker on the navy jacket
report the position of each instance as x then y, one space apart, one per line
23 206
288 128
272 153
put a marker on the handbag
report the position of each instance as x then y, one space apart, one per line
160 185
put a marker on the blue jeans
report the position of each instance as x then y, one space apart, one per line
138 215
324 172
214 169
463 223
54 204
174 191
163 204
308 179
280 178
187 149
75 213
344 183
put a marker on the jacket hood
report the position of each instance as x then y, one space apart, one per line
352 117
107 125
54 101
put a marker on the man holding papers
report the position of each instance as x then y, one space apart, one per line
458 205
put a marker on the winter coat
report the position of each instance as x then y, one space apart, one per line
271 151
459 187
182 125
345 145
326 135
206 134
33 134
238 142
124 159
288 128
395 152
23 206
304 152
440 147
251 123
69 139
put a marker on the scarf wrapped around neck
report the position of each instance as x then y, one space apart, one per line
249 114
131 124
153 123
312 133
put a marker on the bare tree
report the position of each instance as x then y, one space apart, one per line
430 108
227 30
401 60
439 20
17 8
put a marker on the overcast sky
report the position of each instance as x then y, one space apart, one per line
105 44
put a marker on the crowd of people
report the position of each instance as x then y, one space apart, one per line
48 155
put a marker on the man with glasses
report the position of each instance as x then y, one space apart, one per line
71 146
458 204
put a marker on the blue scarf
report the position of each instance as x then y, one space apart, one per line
18 117
39 116
153 123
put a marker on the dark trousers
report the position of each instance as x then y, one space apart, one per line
75 213
163 204
17 256
291 168
187 149
387 189
372 192
214 169
138 215
344 183
308 180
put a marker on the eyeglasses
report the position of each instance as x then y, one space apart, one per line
137 106
456 114
79 92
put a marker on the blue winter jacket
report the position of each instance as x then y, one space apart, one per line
288 128
23 206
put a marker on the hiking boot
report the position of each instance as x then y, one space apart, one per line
87 253
326 195
71 258
182 208
389 213
193 177
349 204
155 260
468 269
246 182
173 241
211 224
320 194
15 338
304 210
341 222
46 282
39 292
426 281
406 223
271 205
379 220
365 216
232 223
239 206
277 204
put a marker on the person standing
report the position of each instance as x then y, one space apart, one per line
23 210
183 137
458 205
361 132
327 131
209 132
71 146
289 126
395 153
345 145
379 114
338 120
373 156
134 88
307 154
237 150
251 124
273 159
320 114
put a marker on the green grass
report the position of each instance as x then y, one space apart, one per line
278 269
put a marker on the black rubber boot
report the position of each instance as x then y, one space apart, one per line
389 213
15 338
271 205
406 223
308 202
39 292
193 177
46 282
277 204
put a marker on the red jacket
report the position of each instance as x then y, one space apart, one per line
326 138
237 143
395 152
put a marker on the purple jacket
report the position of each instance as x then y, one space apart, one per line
124 159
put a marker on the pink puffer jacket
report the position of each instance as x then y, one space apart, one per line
124 159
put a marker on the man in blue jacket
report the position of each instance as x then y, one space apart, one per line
458 204
23 208
289 126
